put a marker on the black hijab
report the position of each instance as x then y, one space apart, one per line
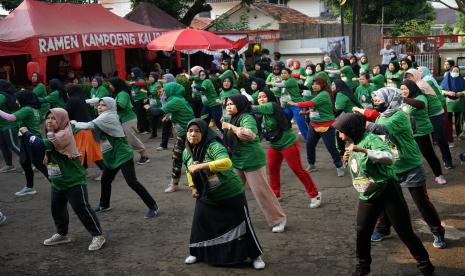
198 152
414 90
342 87
27 98
261 85
76 106
57 85
8 90
281 118
352 125
243 107
119 85
230 80
396 67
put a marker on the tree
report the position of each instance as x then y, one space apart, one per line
395 11
412 27
460 5
183 10
12 4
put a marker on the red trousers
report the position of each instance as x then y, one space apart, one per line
292 157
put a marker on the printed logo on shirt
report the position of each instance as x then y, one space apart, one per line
53 170
391 145
106 147
361 182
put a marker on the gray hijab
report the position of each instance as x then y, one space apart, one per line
169 78
108 121
392 98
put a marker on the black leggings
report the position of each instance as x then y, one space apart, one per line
427 150
9 143
129 174
77 198
32 155
392 202
141 112
426 208
458 121
165 133
439 135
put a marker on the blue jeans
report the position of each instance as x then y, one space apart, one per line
329 138
293 111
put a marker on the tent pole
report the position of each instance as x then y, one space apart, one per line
188 62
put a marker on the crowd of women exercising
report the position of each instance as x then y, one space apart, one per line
375 125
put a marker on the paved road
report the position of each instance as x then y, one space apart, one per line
317 242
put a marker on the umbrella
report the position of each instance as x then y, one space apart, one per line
189 40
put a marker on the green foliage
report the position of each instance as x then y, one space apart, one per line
460 23
12 4
395 11
412 27
448 29
223 23
182 80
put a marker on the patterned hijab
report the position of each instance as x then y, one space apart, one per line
392 98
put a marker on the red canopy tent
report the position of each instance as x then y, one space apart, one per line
44 29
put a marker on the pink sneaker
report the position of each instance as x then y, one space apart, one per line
440 180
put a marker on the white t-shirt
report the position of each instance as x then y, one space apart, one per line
386 55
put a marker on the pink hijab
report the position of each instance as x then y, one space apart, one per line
423 85
63 139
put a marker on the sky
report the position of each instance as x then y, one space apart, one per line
449 2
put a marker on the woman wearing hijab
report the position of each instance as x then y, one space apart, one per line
405 65
447 127
353 62
369 160
227 88
321 120
58 97
85 141
256 85
117 155
140 96
394 126
227 71
221 206
363 91
377 78
8 130
291 90
31 146
320 69
284 144
416 106
393 76
68 181
435 113
274 77
346 72
248 157
127 117
39 89
211 109
345 99
154 88
97 92
453 86
364 65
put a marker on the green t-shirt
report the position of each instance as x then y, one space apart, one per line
378 81
152 89
274 78
64 172
116 151
346 76
229 73
181 113
331 66
4 124
55 100
292 88
269 122
343 103
324 75
323 110
300 71
209 95
455 105
422 122
400 139
99 92
309 81
434 105
124 107
228 93
136 92
29 117
438 92
230 183
364 67
365 172
395 81
40 91
363 96
250 155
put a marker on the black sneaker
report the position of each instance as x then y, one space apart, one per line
143 160
99 209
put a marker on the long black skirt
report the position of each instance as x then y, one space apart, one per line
222 233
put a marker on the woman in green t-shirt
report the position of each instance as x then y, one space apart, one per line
453 86
364 65
228 71
377 79
211 109
416 105
8 130
31 146
346 72
248 157
58 97
393 76
220 202
68 179
369 160
274 77
284 144
363 91
154 88
117 155
140 98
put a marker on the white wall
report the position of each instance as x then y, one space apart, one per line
220 8
257 20
310 8
118 7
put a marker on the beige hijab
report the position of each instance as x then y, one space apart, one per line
63 139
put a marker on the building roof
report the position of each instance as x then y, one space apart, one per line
445 16
200 23
151 15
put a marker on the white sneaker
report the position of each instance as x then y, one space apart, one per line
172 188
258 263
315 202
190 260
98 178
56 239
160 148
97 243
311 168
279 228
26 191
440 180
7 169
2 219
340 171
